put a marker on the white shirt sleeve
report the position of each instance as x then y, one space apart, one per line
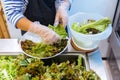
13 10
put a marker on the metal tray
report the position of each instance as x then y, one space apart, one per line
72 57
66 56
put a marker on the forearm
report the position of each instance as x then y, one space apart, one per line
15 15
23 24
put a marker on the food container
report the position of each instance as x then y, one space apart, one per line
70 56
35 38
85 41
67 56
78 48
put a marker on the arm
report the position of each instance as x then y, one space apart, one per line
24 24
14 12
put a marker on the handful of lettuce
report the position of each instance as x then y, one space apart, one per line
60 30
92 26
42 50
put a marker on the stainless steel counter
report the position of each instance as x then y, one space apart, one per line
11 47
97 65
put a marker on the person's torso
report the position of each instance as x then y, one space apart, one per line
40 10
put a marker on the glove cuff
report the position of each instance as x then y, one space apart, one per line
34 28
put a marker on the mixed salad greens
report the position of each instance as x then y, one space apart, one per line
8 69
42 50
92 26
24 68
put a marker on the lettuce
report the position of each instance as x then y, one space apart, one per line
60 30
99 25
7 68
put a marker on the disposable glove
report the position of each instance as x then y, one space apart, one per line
47 34
61 12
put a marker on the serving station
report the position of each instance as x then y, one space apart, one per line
94 59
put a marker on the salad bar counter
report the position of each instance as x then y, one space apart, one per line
87 66
63 67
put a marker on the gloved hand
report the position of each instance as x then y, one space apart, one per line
61 12
47 34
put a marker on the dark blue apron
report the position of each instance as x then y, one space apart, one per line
41 10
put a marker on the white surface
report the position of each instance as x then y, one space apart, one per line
8 46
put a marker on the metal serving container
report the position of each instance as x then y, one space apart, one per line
35 38
67 56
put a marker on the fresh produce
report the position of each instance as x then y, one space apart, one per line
7 68
34 69
92 26
23 68
42 50
60 30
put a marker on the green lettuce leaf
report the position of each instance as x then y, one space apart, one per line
60 30
99 25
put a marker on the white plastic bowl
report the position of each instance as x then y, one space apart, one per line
87 41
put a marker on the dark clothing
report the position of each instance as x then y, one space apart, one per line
41 10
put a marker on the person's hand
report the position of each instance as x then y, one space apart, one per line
61 17
61 13
47 34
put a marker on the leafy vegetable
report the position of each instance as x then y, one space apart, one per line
42 50
36 70
24 68
59 30
80 61
24 77
99 25
7 68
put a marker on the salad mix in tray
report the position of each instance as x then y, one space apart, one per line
23 68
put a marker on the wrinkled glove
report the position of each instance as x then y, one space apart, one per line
61 12
47 34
